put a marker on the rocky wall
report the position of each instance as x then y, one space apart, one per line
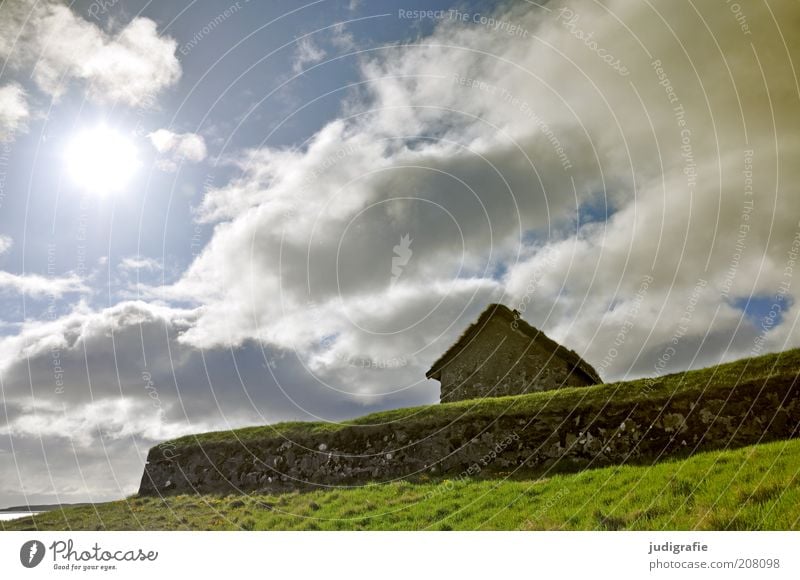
591 433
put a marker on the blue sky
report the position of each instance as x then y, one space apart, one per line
322 197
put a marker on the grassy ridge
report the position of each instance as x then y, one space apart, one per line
562 400
751 488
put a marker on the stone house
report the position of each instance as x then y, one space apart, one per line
500 354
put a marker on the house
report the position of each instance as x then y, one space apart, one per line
501 354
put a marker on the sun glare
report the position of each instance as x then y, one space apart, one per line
100 160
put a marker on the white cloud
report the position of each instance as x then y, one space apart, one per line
38 286
82 326
111 419
5 244
13 109
131 66
138 263
177 148
343 38
307 52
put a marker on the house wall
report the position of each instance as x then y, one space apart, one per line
502 361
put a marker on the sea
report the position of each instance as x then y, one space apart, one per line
15 515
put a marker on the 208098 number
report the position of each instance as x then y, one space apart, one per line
758 563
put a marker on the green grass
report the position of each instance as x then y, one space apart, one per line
751 488
558 401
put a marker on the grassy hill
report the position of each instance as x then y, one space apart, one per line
750 488
753 487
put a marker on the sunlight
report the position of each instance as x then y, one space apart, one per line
101 160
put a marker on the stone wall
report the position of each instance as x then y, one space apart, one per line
503 361
463 440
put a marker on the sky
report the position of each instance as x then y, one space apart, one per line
218 214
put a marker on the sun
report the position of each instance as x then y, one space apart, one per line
101 160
